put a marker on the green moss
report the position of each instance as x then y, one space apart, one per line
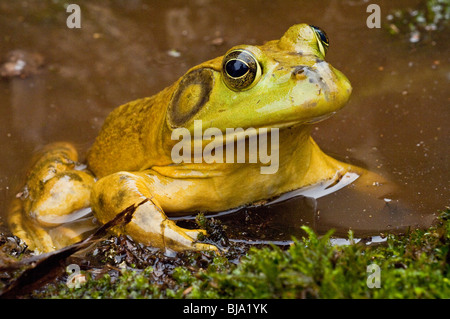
414 265
420 22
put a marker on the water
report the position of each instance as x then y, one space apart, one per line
396 122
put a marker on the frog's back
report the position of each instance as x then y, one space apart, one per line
122 144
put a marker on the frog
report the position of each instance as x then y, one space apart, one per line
284 85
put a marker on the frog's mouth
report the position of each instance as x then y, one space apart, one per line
221 138
237 135
302 94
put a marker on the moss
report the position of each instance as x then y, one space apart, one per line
413 265
419 23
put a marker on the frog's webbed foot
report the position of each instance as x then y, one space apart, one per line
149 224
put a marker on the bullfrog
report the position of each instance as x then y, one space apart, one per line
279 88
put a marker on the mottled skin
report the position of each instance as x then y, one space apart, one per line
131 157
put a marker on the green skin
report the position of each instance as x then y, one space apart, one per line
131 157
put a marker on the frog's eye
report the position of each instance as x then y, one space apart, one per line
240 70
322 39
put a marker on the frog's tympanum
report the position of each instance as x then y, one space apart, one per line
284 84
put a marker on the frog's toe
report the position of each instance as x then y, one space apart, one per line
203 246
180 239
194 233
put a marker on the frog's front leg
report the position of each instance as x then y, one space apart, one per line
149 225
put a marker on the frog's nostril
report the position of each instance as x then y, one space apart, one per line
299 73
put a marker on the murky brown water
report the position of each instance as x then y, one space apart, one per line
396 122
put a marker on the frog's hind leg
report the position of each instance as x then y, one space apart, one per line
56 194
32 234
149 225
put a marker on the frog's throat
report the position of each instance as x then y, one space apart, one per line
287 134
236 135
293 141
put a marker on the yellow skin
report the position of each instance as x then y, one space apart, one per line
131 157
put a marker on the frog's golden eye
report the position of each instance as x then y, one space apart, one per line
240 70
322 39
